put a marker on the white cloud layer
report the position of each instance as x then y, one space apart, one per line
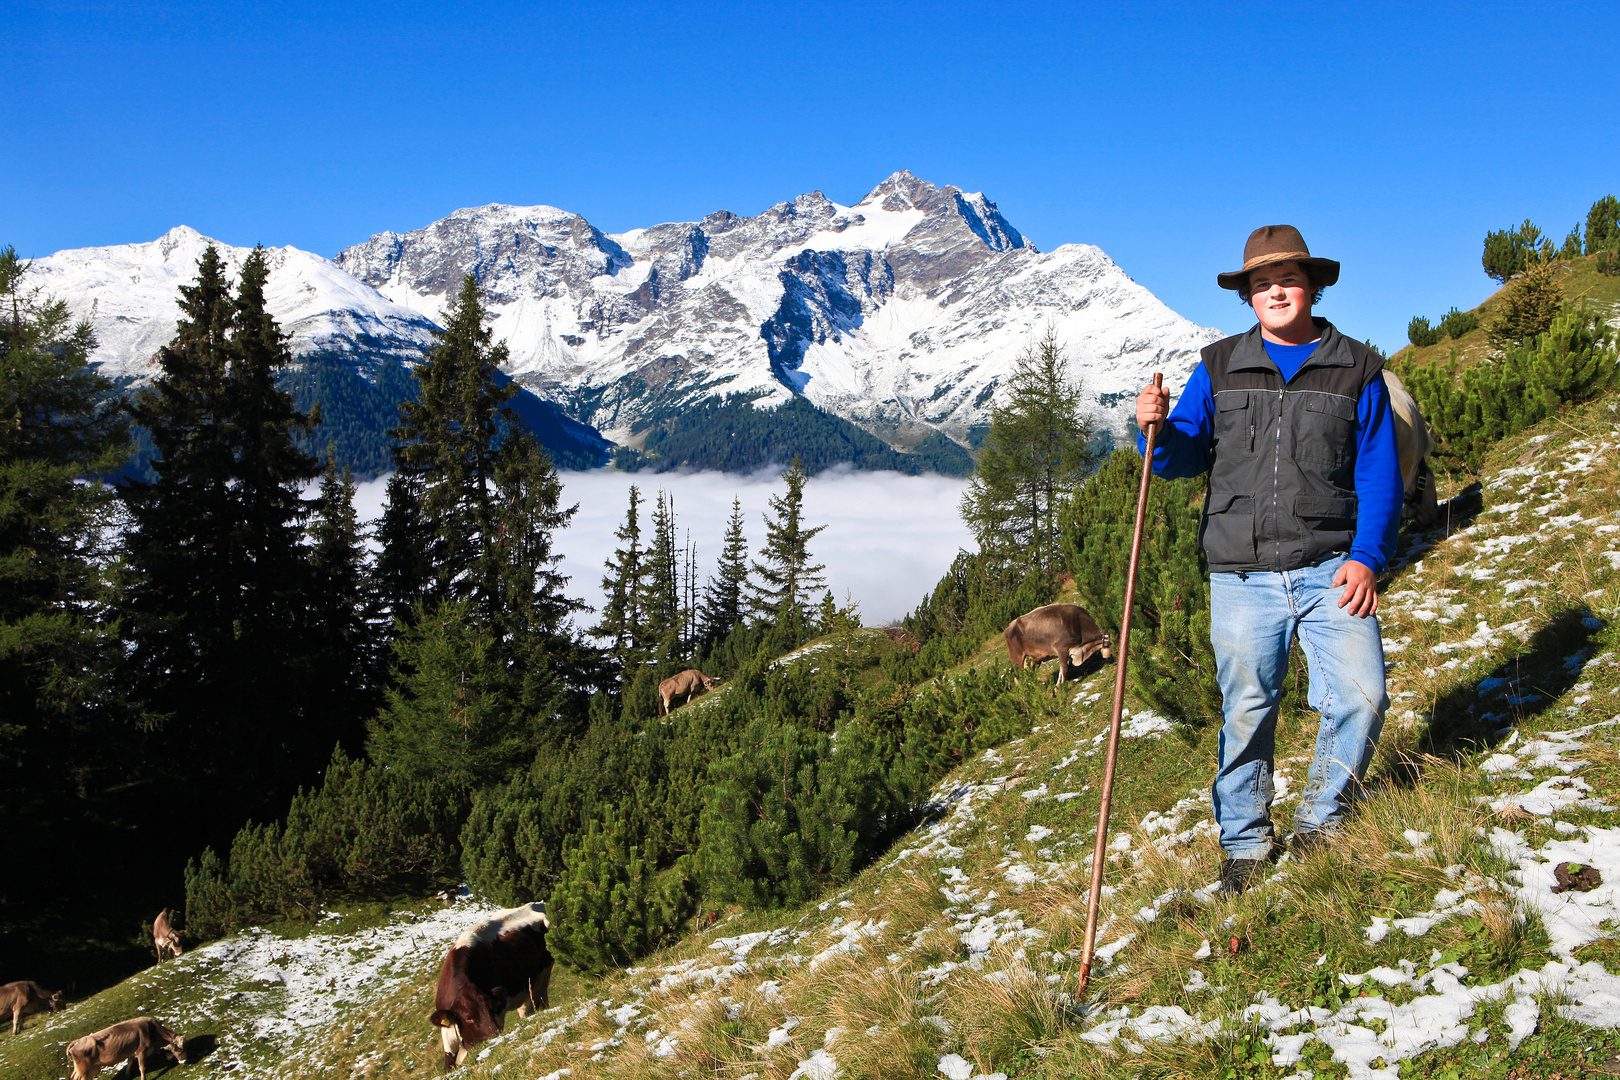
888 541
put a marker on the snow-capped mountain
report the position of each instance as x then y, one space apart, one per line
902 313
131 294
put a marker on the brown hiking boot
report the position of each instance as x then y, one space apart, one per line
1236 875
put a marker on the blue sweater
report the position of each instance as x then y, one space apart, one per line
1185 448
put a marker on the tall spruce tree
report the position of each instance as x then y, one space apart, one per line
621 620
661 597
1038 451
346 663
58 648
490 666
725 598
787 578
217 610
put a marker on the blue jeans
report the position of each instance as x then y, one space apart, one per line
1253 618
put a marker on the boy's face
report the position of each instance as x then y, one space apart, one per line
1280 295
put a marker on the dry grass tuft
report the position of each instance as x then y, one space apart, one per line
1001 1012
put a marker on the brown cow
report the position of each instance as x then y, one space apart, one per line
500 964
165 936
126 1039
686 686
23 998
1413 442
1065 632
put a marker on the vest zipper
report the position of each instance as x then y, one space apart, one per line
1276 484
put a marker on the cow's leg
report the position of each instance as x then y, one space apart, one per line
542 982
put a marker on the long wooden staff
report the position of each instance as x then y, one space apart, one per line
1112 758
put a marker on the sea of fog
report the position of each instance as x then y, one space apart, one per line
889 538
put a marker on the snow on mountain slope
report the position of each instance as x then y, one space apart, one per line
131 292
902 312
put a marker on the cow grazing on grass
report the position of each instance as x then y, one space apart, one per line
137 1038
22 998
498 965
686 686
1412 445
164 936
1065 632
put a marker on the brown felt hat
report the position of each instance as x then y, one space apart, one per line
1278 243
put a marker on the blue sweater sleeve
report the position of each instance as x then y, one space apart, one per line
1182 448
1379 492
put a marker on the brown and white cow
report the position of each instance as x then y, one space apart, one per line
498 965
686 686
165 936
1065 632
137 1038
23 998
1413 442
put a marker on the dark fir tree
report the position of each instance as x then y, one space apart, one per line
345 668
489 666
216 613
1036 454
725 597
1603 225
786 576
661 597
621 621
404 563
58 651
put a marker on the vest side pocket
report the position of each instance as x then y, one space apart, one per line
1227 531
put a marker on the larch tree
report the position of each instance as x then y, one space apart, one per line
1038 451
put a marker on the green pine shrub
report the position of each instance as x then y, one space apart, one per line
366 831
1511 251
1420 333
1457 323
1603 225
783 816
610 907
1573 361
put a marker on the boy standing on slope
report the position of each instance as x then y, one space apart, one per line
1293 425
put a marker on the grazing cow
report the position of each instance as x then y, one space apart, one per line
22 998
165 936
1412 444
1065 632
686 686
126 1039
498 965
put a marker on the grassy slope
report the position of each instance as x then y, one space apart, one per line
1582 282
963 940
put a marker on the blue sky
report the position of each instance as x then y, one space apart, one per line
1394 136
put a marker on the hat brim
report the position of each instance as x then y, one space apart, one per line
1327 271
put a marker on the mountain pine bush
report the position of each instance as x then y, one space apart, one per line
609 908
1420 333
1573 361
1457 323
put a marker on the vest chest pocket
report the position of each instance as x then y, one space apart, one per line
1234 422
1324 429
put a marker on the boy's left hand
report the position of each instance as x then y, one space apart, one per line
1360 588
